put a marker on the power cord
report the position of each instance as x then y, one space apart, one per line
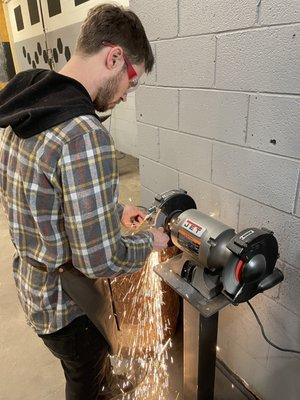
264 334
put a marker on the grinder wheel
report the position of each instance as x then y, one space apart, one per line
170 204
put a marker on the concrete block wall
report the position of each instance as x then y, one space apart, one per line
123 127
220 117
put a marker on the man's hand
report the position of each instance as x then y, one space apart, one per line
161 239
132 216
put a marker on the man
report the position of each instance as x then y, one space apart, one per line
59 186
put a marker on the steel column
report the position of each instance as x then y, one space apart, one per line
200 341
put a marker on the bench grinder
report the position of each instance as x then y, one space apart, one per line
215 267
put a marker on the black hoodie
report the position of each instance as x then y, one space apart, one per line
39 99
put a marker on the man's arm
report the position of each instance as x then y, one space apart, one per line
89 184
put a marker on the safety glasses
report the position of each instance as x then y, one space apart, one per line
131 72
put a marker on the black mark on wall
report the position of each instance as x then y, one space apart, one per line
67 53
45 56
54 7
36 57
19 18
59 45
77 2
33 11
55 55
39 48
60 53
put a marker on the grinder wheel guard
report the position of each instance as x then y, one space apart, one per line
169 204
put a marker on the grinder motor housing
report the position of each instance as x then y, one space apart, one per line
214 257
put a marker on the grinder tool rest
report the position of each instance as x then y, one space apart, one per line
216 267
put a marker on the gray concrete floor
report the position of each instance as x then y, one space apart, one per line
28 371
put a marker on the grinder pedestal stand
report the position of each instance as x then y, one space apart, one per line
200 334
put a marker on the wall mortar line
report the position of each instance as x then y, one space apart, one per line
215 66
224 188
180 132
178 19
155 52
258 93
178 109
258 9
211 161
238 216
297 196
247 119
228 32
158 128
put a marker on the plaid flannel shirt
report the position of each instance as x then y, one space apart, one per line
60 194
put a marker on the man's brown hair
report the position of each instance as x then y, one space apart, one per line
117 25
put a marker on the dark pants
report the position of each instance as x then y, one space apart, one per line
83 353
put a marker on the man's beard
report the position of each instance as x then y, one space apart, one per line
107 92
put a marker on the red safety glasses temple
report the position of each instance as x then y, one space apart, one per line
131 72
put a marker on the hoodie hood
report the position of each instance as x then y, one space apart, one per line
39 99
